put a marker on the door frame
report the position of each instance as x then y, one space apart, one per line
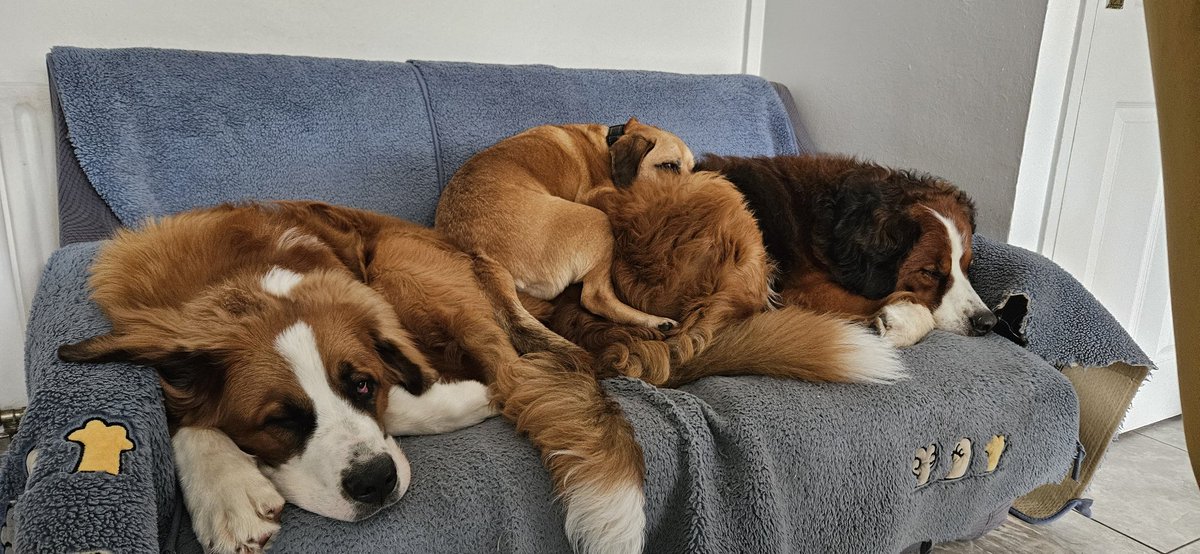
1055 103
1049 132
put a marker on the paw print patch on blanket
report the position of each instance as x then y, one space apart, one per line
995 448
924 460
100 446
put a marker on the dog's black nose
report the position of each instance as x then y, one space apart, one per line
372 481
983 322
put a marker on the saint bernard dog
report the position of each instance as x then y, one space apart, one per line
293 340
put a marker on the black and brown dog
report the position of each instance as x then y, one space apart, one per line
852 237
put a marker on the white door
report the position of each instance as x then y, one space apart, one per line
1105 218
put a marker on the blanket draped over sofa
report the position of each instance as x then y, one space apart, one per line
733 464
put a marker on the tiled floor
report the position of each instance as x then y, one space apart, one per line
1146 502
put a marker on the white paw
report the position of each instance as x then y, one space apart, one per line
443 408
239 515
234 507
611 521
904 323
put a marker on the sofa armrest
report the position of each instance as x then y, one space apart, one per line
1045 309
104 475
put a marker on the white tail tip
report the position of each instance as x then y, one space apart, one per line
605 521
870 358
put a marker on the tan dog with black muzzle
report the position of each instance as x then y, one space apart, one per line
522 202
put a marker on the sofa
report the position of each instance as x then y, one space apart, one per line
733 464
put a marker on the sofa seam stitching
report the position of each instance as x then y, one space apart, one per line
433 130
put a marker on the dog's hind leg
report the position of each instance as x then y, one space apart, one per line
629 350
599 297
704 321
587 233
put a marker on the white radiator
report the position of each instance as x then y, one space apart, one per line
28 220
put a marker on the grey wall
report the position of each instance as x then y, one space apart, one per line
937 85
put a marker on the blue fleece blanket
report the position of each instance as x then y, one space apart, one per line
162 131
474 105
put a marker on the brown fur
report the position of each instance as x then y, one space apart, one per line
687 247
519 202
184 296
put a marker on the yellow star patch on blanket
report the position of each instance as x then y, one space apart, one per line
101 446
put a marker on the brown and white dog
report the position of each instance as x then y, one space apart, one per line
519 202
855 238
294 339
687 246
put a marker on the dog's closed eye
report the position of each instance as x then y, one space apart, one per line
670 166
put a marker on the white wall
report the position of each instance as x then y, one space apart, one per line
692 36
938 85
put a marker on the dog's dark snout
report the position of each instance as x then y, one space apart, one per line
982 322
371 482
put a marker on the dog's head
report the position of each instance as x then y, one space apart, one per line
642 150
901 231
296 368
935 269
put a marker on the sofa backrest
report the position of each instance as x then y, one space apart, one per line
148 132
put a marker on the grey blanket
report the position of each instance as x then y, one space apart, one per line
1041 306
733 464
754 464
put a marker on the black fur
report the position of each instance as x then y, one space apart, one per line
865 233
835 214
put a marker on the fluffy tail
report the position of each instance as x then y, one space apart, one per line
552 394
795 343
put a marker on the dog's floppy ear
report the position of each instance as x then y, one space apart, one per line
190 376
344 232
868 234
104 348
407 368
627 154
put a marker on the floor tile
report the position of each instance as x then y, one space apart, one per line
1168 431
1193 548
1145 489
1073 533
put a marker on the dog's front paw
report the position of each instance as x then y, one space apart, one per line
904 323
242 518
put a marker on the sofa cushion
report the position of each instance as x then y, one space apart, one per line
162 131
475 105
